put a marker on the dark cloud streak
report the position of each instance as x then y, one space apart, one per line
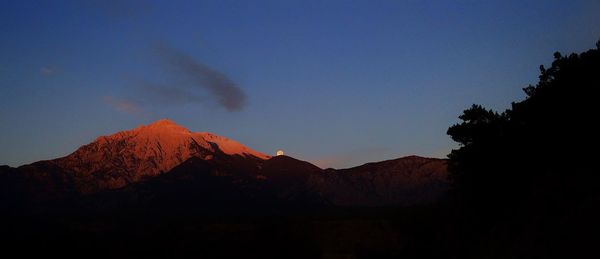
199 75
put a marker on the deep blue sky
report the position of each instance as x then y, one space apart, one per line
338 83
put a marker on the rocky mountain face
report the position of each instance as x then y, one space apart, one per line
114 161
163 164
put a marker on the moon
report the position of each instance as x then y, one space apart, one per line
279 153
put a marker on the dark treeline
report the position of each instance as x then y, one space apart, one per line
525 180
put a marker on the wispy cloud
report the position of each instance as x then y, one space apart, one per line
122 105
184 80
48 71
195 76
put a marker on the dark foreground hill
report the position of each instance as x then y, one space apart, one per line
161 190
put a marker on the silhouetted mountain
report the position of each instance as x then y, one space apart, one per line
164 165
403 181
163 191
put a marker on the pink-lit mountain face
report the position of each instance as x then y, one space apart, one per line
164 158
130 156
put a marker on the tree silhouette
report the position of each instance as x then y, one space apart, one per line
536 157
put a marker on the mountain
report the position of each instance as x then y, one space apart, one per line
129 156
163 191
126 157
164 163
403 181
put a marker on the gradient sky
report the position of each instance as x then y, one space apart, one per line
337 83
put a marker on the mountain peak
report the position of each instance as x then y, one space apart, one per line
148 150
163 122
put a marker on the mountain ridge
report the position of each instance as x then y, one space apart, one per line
126 158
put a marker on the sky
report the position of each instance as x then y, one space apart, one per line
336 83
